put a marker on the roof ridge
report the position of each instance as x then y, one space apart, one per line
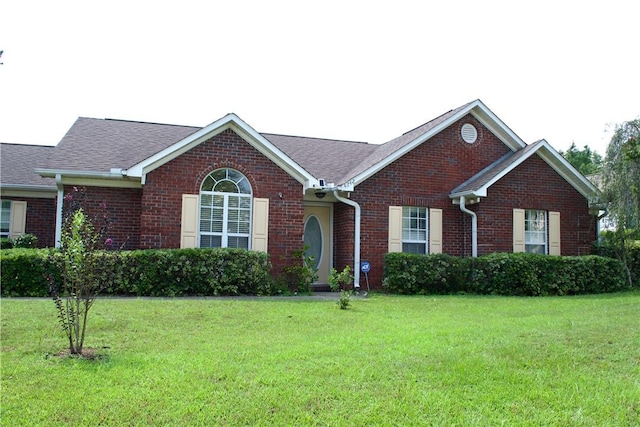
27 145
316 138
145 122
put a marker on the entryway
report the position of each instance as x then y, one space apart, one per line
317 237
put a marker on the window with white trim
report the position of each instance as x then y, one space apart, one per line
5 218
225 210
535 231
415 235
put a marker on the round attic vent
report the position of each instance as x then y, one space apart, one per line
469 133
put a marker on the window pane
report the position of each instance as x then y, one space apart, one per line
5 218
208 184
209 241
245 202
238 242
244 186
414 248
219 175
535 235
535 249
414 229
226 187
225 216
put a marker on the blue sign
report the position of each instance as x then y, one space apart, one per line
365 267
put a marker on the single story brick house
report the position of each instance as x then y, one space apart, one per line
463 184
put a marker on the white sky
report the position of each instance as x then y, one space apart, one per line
354 70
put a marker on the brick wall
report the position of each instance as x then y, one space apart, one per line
123 210
162 198
41 219
534 185
425 177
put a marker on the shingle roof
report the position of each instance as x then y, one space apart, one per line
324 158
388 148
98 145
486 175
18 161
101 144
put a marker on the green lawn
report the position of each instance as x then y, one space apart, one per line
445 360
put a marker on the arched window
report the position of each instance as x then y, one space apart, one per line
225 210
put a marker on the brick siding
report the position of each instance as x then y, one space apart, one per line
162 198
425 177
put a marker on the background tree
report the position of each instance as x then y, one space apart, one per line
588 162
622 175
621 179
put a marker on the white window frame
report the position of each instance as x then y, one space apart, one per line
413 235
5 212
244 192
536 230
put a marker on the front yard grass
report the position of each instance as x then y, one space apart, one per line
389 360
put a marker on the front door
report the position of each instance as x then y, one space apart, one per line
317 238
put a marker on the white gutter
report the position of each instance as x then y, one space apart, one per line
59 207
474 227
356 243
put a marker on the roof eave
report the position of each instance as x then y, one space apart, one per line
114 178
233 122
476 108
553 159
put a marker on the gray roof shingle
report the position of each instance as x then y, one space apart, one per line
323 158
18 161
98 145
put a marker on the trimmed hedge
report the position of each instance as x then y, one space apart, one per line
170 272
607 248
517 274
23 272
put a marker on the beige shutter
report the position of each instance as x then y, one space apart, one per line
189 227
260 225
518 230
554 233
18 219
395 228
435 231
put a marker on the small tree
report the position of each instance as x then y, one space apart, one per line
86 268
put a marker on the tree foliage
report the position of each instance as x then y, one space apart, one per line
622 175
85 269
587 162
622 189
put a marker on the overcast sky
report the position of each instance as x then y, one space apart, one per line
367 71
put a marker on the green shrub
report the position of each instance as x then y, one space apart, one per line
425 274
167 272
23 272
517 274
611 246
6 243
339 281
26 241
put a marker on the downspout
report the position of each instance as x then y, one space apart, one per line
474 227
356 243
59 203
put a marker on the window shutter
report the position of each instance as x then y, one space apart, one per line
395 228
260 225
18 219
435 231
189 227
518 230
554 233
